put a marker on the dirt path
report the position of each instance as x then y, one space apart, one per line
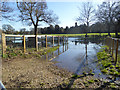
36 73
32 73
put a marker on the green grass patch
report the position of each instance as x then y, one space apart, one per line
75 76
83 34
30 52
52 49
104 71
5 56
91 81
106 63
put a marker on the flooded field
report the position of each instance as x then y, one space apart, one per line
61 62
76 54
81 55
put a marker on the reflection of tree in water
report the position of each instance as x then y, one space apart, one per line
51 55
85 67
97 39
93 39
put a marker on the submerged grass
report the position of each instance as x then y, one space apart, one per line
107 63
108 66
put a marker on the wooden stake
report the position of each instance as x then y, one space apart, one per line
67 42
116 52
36 43
53 41
3 44
24 44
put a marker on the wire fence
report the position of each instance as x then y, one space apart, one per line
114 48
27 43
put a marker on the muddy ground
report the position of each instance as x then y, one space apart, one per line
37 73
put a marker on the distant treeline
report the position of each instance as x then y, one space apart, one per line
94 28
77 29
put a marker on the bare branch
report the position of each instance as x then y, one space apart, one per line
36 12
86 13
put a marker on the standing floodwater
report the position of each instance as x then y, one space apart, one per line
81 55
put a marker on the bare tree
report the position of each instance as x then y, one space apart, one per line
117 18
32 13
86 14
106 14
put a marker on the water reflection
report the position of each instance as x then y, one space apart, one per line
52 54
86 51
60 50
63 44
80 55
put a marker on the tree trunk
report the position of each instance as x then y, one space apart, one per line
108 25
116 33
117 27
116 30
35 33
87 28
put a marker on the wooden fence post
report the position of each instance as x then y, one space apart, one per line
116 52
36 42
46 41
24 44
53 41
112 47
3 44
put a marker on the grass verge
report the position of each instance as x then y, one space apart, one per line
31 52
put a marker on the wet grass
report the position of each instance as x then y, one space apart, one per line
109 67
91 81
107 63
75 81
30 52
